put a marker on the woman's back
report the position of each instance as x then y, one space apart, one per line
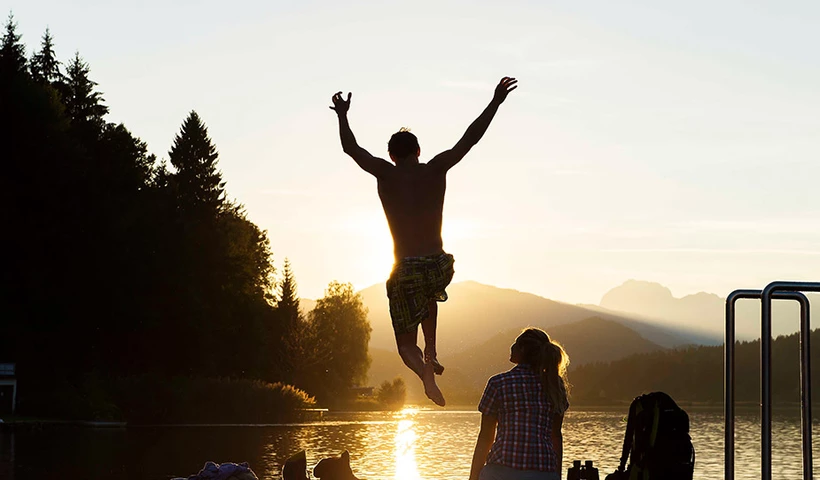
524 413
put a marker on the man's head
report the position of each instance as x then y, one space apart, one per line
403 144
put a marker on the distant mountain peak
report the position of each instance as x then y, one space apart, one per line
704 295
633 291
701 311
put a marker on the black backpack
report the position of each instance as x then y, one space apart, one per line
657 441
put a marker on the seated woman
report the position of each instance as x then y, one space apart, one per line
522 412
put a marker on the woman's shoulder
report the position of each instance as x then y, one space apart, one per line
495 378
511 373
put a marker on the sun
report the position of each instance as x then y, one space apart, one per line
458 229
372 245
372 248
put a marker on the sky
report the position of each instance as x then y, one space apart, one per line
667 141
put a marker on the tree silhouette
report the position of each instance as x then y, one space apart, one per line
288 302
83 103
341 333
694 374
125 271
392 394
193 155
286 332
34 147
45 68
12 51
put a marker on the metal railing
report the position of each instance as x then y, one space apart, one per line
778 291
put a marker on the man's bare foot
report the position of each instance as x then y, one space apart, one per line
430 388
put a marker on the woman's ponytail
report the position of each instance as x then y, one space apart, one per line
556 374
550 361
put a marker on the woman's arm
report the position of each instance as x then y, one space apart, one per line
558 438
482 445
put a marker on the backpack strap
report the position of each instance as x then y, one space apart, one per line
656 416
630 431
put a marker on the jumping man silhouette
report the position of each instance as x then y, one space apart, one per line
412 195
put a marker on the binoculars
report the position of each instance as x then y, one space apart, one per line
582 472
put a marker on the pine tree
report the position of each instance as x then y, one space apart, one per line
83 103
12 51
288 303
199 183
287 332
44 66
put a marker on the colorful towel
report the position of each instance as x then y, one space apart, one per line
225 471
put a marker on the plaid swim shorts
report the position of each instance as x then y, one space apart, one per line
414 282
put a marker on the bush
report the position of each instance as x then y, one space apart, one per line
86 397
392 395
151 400
158 400
360 405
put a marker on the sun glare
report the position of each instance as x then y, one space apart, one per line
406 468
458 229
370 238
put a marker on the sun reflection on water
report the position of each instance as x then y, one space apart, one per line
405 446
408 411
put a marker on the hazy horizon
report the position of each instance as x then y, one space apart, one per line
674 143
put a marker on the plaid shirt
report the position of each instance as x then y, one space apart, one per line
522 439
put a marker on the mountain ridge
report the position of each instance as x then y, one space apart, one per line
476 311
586 341
701 311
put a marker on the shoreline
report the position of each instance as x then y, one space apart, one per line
12 422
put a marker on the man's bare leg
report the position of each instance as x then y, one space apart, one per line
411 355
428 328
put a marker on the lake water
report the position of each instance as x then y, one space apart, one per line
412 444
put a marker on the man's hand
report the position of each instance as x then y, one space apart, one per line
375 166
505 86
340 105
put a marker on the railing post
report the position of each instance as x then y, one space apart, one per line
805 388
773 290
729 379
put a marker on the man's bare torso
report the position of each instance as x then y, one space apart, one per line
413 201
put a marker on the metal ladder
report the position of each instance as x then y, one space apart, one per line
778 291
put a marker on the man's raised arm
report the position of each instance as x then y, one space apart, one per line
369 163
445 160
